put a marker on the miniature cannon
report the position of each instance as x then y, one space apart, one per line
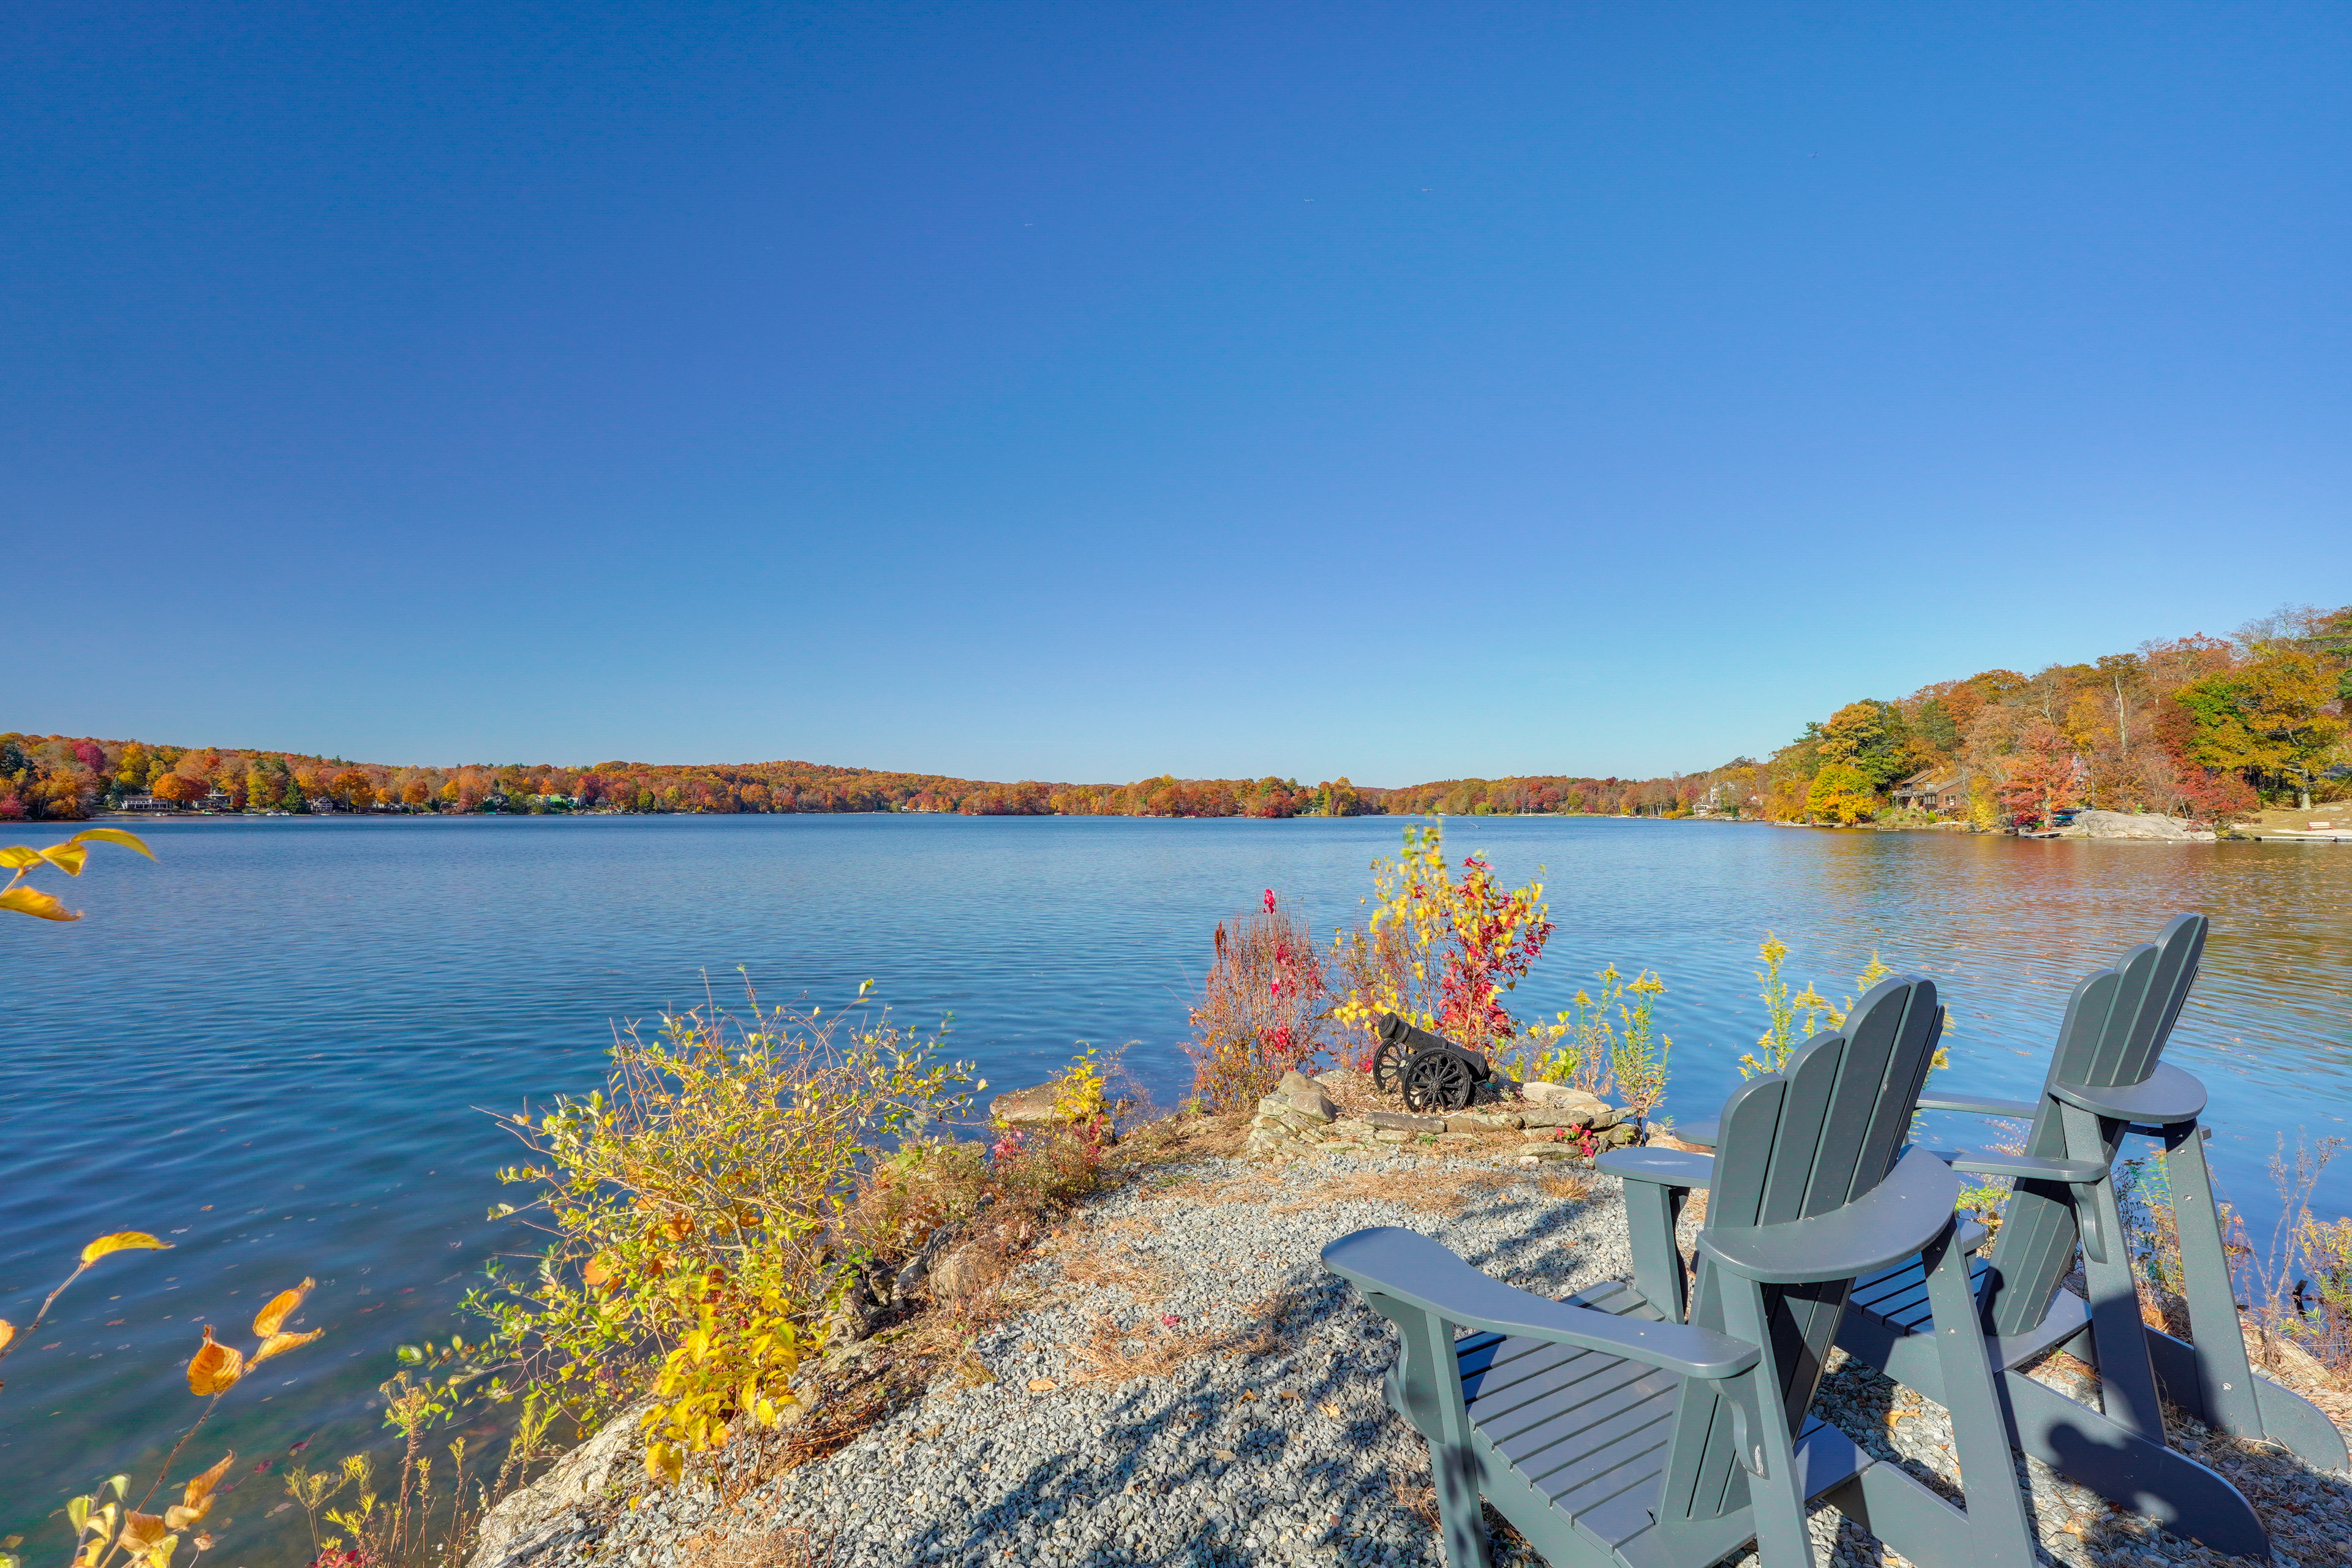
1431 1071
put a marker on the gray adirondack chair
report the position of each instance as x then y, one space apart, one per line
2105 1078
1610 1433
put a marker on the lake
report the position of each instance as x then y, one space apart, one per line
277 1047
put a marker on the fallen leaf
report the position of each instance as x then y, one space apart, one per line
1292 1394
1330 1409
1247 1393
1041 1386
281 1508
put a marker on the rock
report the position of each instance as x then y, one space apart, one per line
1561 1097
1018 1107
1391 1135
1482 1122
1296 1082
1350 1127
539 1517
916 1270
1400 1122
2130 825
953 1275
1534 1118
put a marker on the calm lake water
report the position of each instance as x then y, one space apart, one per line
276 1046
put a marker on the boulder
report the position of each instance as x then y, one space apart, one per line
540 1518
1561 1096
1397 1122
1481 1122
1016 1107
2130 825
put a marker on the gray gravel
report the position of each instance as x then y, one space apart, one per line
1285 1456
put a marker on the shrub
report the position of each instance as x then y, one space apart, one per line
694 1202
1263 1009
1440 952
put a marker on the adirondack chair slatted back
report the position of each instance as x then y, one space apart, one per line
1795 1144
2114 1031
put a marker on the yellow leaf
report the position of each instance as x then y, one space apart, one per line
16 857
112 835
35 902
8 1333
214 1368
201 1486
120 1241
179 1516
272 1318
67 857
665 1461
279 1344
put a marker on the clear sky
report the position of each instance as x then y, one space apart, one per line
1088 392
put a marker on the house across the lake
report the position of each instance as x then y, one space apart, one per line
1930 790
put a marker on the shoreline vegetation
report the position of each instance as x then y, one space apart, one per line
776 1238
2204 730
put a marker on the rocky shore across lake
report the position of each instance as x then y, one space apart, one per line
1177 1381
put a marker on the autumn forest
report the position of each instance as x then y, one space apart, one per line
2197 726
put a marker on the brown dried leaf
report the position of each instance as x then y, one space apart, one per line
272 1318
122 1241
214 1368
201 1486
279 1344
142 1530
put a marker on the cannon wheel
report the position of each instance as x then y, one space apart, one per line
1387 1065
1437 1080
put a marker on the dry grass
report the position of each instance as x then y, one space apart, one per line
1446 1192
795 1547
1114 1355
1116 1266
1567 1186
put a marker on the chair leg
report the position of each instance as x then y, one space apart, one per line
1452 1467
2126 1379
2225 1377
2000 1531
1776 1492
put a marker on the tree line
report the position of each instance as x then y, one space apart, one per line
2197 726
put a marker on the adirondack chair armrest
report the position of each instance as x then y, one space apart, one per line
1410 1268
1978 1105
2168 1096
1890 1223
1661 1167
1996 1162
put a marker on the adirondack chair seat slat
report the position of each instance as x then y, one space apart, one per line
2168 1096
1890 1222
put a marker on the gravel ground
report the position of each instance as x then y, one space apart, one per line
1187 1386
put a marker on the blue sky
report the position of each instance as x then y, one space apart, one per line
1088 392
